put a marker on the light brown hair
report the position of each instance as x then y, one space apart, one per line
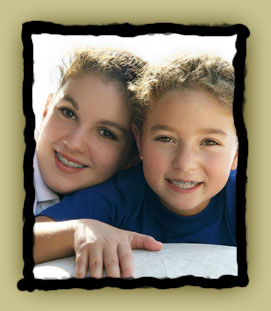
119 66
210 73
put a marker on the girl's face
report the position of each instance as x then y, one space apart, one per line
188 145
85 134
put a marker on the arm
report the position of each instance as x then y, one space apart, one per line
95 244
52 240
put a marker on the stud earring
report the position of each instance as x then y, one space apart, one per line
141 158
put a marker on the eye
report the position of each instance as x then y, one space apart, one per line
165 139
210 142
68 113
107 134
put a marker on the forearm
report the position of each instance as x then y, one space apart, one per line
53 240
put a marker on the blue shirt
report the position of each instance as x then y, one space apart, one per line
127 202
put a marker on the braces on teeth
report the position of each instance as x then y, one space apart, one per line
183 183
68 163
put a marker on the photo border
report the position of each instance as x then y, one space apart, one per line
29 283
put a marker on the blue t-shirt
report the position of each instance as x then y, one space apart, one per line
127 202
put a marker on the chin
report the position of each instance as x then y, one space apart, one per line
61 190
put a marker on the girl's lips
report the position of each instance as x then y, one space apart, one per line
68 158
183 186
67 164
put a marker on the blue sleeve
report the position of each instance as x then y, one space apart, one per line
101 202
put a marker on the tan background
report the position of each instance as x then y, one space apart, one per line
256 16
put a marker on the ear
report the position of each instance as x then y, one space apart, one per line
235 161
138 139
47 105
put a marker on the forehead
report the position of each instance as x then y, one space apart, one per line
92 75
91 84
96 97
196 107
194 98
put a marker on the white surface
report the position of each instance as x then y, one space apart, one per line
174 260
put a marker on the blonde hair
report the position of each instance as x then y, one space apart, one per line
210 73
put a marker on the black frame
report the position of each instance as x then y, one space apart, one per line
29 283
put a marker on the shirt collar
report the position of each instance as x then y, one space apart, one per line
43 192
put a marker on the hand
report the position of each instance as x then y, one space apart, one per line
98 245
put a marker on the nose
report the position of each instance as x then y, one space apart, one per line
77 141
184 158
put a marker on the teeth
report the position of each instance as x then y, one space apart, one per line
68 163
183 184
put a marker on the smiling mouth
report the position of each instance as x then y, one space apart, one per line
65 162
183 184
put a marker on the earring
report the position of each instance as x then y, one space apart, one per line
141 158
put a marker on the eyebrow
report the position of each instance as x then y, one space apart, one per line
158 127
69 99
214 131
114 125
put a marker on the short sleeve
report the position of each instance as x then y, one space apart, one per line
88 203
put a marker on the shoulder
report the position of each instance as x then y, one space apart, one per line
227 196
123 181
230 200
102 202
93 202
129 178
231 184
110 191
131 184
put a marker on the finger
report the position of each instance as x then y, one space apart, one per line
96 262
144 242
111 262
126 261
81 262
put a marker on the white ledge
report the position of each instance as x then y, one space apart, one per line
174 260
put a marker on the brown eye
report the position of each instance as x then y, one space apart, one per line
210 142
165 139
107 134
68 113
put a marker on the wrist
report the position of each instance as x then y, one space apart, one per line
72 226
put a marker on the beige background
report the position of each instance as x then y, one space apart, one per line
256 16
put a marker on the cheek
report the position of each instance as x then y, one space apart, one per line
44 136
51 128
217 170
155 165
158 156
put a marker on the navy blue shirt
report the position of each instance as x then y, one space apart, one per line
127 202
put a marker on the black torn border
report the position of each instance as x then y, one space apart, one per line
29 283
